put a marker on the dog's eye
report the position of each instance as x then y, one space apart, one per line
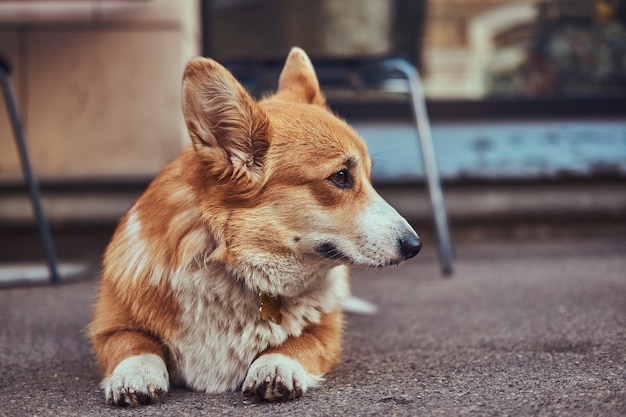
341 179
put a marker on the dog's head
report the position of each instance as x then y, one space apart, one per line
285 183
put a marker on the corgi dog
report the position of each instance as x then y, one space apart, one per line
229 271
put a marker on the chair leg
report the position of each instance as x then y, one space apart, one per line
42 224
418 104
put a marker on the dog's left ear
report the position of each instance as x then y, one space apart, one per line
229 131
298 81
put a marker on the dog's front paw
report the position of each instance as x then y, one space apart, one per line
140 379
275 377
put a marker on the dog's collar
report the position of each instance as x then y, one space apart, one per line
270 307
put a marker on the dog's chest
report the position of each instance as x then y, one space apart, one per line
215 350
222 330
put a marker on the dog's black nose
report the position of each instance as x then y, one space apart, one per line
410 245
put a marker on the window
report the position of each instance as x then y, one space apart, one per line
478 58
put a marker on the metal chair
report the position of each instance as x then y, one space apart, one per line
33 187
420 114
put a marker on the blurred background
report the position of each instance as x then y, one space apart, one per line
526 98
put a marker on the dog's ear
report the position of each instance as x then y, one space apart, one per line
298 81
228 129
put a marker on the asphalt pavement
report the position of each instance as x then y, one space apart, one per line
521 329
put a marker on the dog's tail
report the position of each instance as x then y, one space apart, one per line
356 305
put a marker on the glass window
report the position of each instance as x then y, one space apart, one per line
478 58
530 49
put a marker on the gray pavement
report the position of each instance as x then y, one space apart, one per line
522 329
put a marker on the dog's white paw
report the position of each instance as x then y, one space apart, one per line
140 379
275 377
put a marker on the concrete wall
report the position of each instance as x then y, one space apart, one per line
97 84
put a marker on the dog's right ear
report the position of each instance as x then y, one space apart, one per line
228 129
298 81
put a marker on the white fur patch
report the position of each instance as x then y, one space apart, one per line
222 331
132 247
276 377
133 225
138 379
381 228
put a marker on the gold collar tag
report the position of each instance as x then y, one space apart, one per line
270 308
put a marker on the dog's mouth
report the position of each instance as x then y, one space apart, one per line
407 248
330 251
